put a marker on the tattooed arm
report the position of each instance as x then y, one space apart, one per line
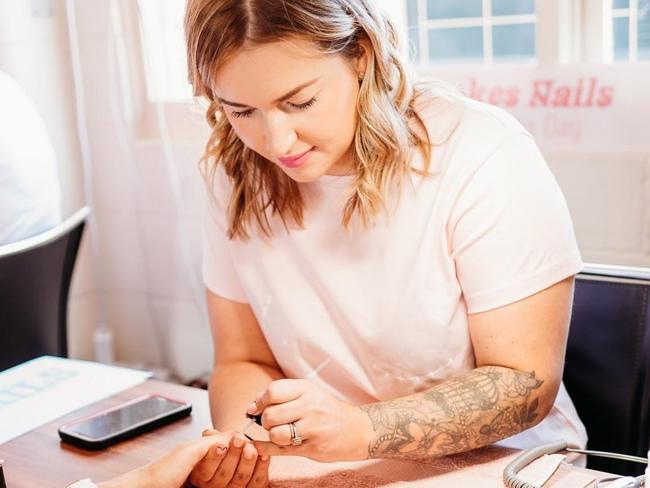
519 352
471 411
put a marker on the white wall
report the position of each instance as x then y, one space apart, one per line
609 198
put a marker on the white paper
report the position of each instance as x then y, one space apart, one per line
41 390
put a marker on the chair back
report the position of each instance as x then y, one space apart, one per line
607 368
35 276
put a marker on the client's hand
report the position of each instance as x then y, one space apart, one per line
238 465
173 469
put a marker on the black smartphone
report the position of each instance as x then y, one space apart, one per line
123 421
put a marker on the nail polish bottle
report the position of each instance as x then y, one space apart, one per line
256 418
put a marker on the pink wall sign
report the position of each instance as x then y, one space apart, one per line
601 108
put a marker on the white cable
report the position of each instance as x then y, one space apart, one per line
103 337
526 457
625 482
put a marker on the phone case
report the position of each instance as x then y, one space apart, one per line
97 444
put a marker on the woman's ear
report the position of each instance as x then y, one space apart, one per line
361 61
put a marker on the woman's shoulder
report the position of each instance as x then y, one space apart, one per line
217 184
449 115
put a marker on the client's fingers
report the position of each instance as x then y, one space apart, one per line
260 477
228 465
174 468
205 469
245 467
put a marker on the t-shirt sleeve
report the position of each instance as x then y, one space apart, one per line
510 228
219 273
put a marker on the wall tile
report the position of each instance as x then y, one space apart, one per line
82 317
92 18
189 344
136 337
158 183
607 198
113 173
174 256
121 251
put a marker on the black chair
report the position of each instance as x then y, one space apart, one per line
607 369
35 276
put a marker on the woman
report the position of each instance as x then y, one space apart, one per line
389 266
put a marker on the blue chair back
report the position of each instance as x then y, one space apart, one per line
607 368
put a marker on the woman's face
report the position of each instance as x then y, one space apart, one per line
294 106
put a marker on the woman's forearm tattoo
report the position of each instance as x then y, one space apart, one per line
482 407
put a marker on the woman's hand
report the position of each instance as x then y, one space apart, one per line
233 464
331 430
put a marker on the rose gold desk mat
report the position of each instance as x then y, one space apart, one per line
480 468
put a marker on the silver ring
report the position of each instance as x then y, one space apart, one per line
296 440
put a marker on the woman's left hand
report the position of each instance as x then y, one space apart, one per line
331 430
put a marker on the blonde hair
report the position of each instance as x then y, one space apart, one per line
384 137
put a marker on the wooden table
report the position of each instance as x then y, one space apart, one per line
39 459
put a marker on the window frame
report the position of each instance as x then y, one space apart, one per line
632 14
487 22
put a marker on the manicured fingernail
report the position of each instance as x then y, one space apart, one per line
252 407
264 457
221 449
249 454
238 442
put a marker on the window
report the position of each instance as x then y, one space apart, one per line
445 32
631 28
471 30
438 30
163 42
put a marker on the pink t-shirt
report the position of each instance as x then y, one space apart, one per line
381 313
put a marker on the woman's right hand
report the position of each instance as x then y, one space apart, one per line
238 465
